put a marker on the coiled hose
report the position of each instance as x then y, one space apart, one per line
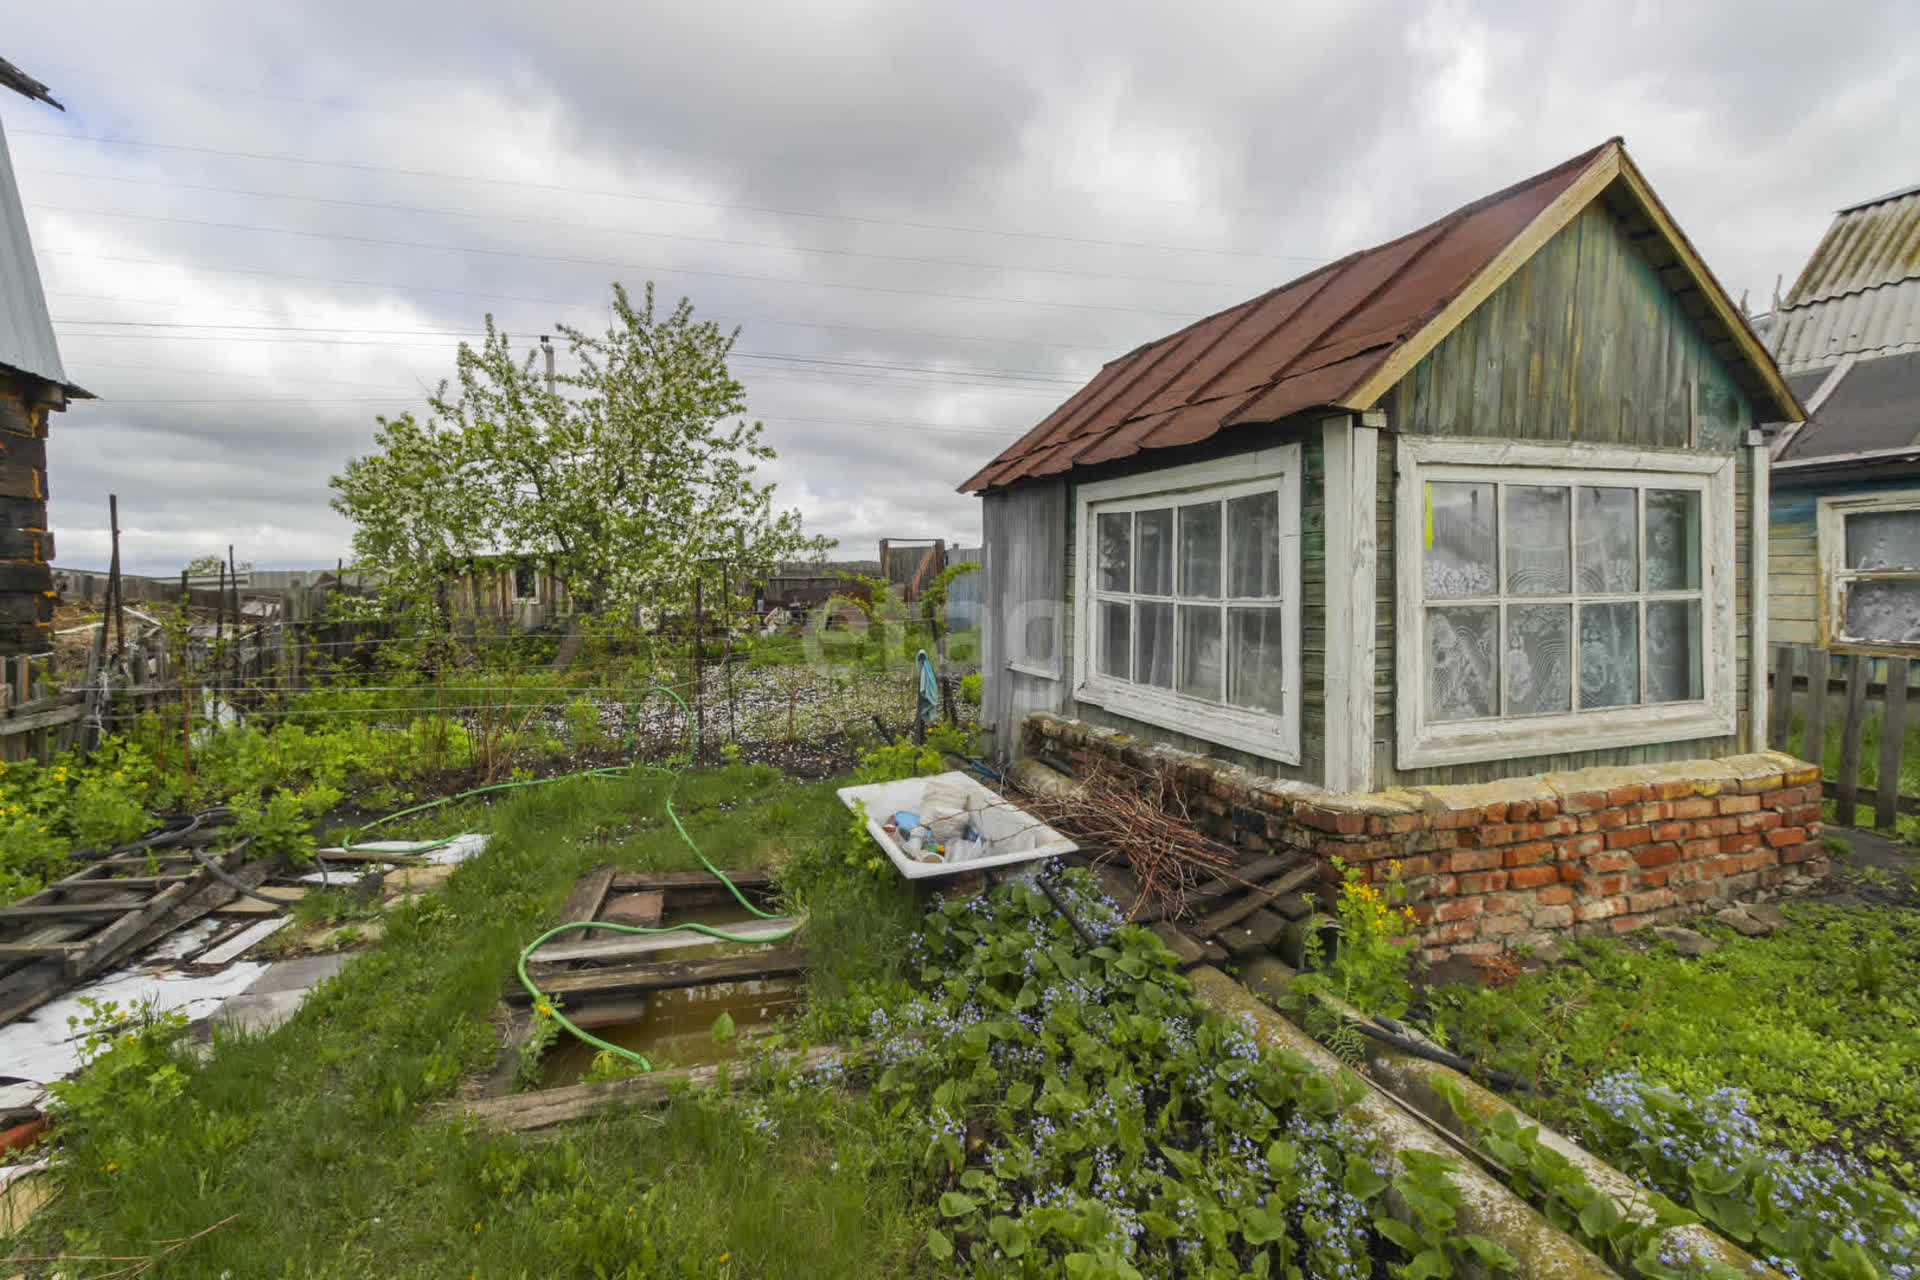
543 1006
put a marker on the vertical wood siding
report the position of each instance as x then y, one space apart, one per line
1582 343
1023 562
26 580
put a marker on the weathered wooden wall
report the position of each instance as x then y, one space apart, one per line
1583 342
26 581
1023 563
1793 568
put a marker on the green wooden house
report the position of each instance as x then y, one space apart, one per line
1846 481
1478 502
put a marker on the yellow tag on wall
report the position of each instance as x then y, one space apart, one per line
1428 496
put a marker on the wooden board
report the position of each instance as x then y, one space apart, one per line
1255 899
627 946
524 1112
635 882
633 979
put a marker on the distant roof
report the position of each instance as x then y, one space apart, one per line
21 83
1343 335
1861 406
1859 293
26 331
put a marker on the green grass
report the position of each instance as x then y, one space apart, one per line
1815 1020
314 1135
1871 729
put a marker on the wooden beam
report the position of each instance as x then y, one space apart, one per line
1760 513
526 1112
666 975
632 882
1256 899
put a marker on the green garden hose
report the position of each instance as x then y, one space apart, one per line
541 1004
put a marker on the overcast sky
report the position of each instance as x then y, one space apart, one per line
261 225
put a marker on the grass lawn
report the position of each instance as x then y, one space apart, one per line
1819 1021
313 1136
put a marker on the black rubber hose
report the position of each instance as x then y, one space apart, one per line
221 874
1465 1066
1060 905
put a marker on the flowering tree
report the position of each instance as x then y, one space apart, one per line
619 477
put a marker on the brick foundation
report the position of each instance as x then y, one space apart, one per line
1496 864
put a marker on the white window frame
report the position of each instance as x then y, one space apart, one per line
1424 459
1830 523
1272 737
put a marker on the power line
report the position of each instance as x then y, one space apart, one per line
1030 375
364 167
568 260
547 224
742 321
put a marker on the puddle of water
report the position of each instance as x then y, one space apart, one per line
676 1027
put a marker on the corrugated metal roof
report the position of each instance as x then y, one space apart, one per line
1331 337
1859 293
26 332
1882 320
1303 344
1875 406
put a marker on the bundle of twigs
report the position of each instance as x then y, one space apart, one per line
1137 817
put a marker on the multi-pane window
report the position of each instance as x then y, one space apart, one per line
1544 598
1871 548
1559 598
526 582
1190 602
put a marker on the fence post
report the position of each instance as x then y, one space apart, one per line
1780 717
1893 732
1850 731
1813 742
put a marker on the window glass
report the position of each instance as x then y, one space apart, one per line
1609 654
1253 540
1883 540
1539 561
524 582
1673 539
1116 550
1460 540
1883 611
1609 545
1201 656
1200 550
1461 658
1673 650
1115 634
1539 658
1153 552
1153 644
1255 676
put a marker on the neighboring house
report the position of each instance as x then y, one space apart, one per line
1469 505
33 383
1845 528
505 593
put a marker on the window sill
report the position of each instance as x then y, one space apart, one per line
1031 669
1265 736
1467 742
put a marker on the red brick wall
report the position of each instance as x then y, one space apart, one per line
1496 864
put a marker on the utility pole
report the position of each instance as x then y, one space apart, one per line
546 345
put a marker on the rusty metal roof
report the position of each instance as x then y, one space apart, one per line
1859 293
1329 337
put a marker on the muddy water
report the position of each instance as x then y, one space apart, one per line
675 1028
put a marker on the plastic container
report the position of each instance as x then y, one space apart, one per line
1011 834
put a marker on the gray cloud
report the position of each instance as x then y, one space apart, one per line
954 212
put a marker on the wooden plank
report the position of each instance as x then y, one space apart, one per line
1246 875
666 975
1813 742
627 946
1851 727
1779 721
1256 899
524 1112
746 878
583 901
1893 735
70 910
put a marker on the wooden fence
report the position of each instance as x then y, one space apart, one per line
1871 716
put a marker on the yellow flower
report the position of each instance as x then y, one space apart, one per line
476 1228
725 1256
111 1166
